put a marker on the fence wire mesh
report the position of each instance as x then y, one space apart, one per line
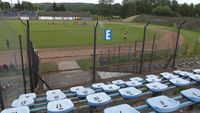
10 63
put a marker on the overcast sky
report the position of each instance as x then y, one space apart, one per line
90 1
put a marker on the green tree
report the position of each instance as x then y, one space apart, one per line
175 6
27 6
62 8
163 11
54 7
197 10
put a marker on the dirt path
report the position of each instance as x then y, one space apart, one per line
167 40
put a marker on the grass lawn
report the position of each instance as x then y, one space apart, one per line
48 67
44 34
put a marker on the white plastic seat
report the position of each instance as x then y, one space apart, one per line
152 76
183 73
29 95
169 76
23 102
130 92
124 108
134 84
60 106
56 96
75 89
192 94
98 85
163 104
139 79
83 93
157 87
23 109
196 71
111 88
118 82
98 99
53 92
195 77
153 80
179 82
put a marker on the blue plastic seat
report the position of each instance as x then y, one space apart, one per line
75 89
153 80
180 82
169 76
98 99
118 82
139 79
163 104
29 95
23 102
197 71
192 94
152 76
124 108
130 92
98 85
60 106
111 88
134 83
23 109
195 77
83 93
157 87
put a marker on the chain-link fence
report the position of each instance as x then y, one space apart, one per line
11 78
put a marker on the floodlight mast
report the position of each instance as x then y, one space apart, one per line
28 52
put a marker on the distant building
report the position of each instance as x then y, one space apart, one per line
64 16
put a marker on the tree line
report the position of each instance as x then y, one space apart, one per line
107 8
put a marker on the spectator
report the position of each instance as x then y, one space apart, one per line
5 68
11 67
7 43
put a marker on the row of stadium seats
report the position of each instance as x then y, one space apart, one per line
100 94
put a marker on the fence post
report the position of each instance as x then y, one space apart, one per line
152 51
177 42
143 44
94 53
1 98
134 59
119 57
22 63
108 56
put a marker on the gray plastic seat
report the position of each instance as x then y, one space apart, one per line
111 88
53 91
23 102
179 82
134 83
98 99
124 108
23 109
157 87
163 104
83 93
60 106
56 96
130 92
192 94
98 85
